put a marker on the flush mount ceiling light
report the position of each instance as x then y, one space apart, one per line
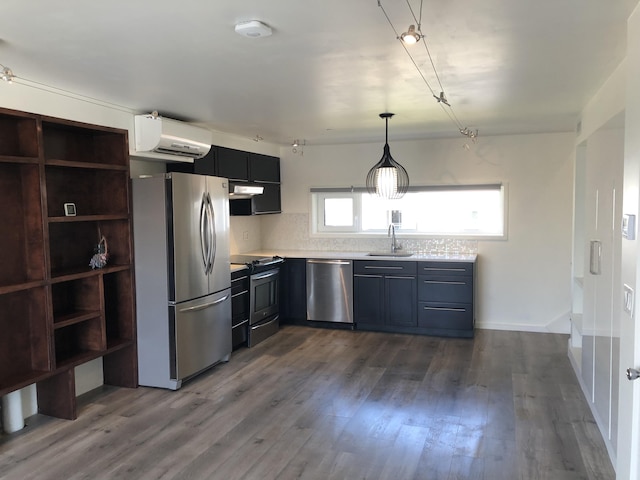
6 74
411 37
387 178
253 29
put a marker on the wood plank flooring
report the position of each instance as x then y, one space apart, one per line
335 404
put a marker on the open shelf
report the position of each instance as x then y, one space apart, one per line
94 192
24 345
91 144
76 301
21 244
72 244
79 341
18 136
119 306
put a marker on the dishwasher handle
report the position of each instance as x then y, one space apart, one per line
330 262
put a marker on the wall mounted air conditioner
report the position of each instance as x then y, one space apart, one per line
170 140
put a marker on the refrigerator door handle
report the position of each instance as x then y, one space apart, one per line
204 305
212 233
204 248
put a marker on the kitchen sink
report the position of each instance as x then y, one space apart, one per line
390 254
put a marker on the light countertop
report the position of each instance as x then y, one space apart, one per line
363 256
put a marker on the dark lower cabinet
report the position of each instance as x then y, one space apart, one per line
293 290
239 307
446 298
385 294
429 298
368 300
400 301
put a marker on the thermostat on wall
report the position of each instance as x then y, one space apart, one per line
70 209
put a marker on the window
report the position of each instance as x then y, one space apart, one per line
465 210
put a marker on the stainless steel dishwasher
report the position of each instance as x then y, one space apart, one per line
330 290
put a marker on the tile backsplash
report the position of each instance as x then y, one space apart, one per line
290 231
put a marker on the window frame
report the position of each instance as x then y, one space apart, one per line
318 229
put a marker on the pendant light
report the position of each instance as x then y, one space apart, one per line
387 178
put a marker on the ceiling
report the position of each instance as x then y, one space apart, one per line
330 67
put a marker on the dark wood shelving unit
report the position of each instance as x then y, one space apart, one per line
55 311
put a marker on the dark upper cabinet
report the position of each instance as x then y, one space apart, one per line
232 164
269 201
243 167
264 168
208 164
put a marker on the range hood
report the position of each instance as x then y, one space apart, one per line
237 191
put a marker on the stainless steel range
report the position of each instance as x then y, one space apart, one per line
264 292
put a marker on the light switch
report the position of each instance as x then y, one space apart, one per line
628 299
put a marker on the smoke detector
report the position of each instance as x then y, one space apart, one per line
253 29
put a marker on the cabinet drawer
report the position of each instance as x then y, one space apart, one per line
239 297
445 316
445 268
384 267
452 289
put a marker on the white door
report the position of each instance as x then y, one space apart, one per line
628 465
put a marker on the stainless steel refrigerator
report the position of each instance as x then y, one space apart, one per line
183 282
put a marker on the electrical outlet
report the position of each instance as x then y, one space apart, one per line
245 235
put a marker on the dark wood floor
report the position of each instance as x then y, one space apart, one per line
319 404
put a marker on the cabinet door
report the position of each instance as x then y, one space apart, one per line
401 301
232 164
293 289
208 164
263 168
368 299
269 201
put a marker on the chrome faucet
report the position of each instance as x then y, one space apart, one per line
395 246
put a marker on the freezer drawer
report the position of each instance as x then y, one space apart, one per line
201 334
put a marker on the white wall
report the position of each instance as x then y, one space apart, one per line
523 281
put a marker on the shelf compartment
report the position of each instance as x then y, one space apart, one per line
72 245
18 136
73 142
24 344
119 307
76 301
79 342
21 244
94 192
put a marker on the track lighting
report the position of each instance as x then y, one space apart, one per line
410 37
6 74
297 147
387 178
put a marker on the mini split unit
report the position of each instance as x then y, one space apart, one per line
170 140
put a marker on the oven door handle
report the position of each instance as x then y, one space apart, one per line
260 276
